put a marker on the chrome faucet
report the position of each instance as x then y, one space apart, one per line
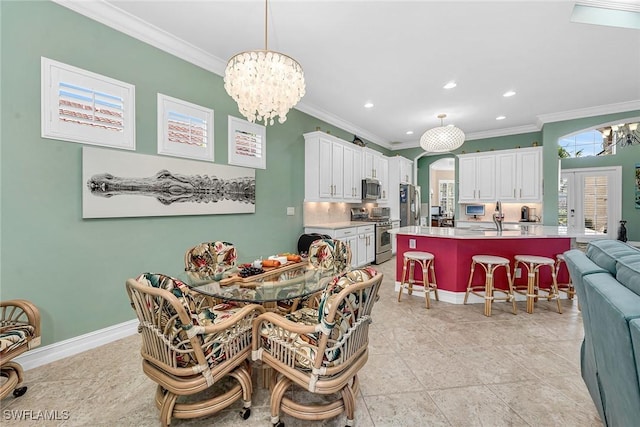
498 216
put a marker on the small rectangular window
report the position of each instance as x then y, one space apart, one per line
184 129
81 106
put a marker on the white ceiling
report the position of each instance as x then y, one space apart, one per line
399 54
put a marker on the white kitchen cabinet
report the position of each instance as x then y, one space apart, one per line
375 165
366 245
332 169
352 242
394 224
518 175
477 178
400 172
383 167
352 176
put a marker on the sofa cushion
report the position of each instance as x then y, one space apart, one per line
628 274
611 307
606 253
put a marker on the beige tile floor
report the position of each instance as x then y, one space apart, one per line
447 366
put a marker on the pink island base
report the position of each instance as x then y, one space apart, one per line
453 258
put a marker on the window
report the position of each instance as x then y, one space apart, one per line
184 129
446 196
584 144
81 106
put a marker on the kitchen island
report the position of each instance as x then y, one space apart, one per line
454 247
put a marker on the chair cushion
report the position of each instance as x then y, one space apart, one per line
329 254
212 344
14 337
212 259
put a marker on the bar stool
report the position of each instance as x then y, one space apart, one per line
425 259
564 287
533 264
490 264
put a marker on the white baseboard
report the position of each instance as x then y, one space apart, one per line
458 297
50 353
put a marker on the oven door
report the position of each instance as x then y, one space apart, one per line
383 238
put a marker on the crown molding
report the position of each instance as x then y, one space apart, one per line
343 124
122 21
614 5
600 110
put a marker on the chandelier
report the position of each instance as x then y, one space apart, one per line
442 138
265 84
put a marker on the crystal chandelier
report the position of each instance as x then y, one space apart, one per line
264 83
442 138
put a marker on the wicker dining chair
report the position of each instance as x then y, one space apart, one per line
19 332
188 347
320 350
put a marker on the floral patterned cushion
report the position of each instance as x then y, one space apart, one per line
211 259
306 345
200 316
328 254
13 337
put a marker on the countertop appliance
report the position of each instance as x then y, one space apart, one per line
381 217
524 214
409 205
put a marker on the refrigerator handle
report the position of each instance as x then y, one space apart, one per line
418 205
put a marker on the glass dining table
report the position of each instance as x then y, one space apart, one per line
290 283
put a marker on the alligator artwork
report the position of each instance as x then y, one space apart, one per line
170 188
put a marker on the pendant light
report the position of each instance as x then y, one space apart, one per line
442 139
265 84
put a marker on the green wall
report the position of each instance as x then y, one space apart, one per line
626 157
73 269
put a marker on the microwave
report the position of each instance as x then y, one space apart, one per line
370 189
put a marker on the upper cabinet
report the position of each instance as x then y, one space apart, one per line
519 175
334 169
375 165
352 177
400 172
506 175
477 178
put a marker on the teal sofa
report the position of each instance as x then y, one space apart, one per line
607 282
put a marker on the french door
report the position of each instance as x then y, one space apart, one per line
590 200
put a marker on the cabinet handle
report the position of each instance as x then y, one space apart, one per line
514 192
521 193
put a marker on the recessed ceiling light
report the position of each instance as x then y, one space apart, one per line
368 105
450 85
409 132
509 93
501 117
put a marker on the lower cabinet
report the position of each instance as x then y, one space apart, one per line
366 245
361 240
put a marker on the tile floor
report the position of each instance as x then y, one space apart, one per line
447 366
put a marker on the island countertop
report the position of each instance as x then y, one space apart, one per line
510 231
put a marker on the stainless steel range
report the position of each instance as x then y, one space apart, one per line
381 217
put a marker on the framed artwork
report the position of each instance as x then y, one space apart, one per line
184 129
247 144
85 107
124 184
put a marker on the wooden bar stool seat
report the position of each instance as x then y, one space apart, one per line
533 264
568 287
490 263
428 282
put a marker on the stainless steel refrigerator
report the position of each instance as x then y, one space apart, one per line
409 205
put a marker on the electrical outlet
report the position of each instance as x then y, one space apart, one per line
412 243
291 210
518 273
